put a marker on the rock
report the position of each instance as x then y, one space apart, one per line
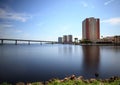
101 83
39 83
86 81
92 80
58 81
80 78
110 80
72 77
114 78
46 83
61 80
35 83
65 79
106 80
51 80
20 83
29 84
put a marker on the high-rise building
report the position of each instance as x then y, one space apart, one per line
59 39
64 38
91 29
69 38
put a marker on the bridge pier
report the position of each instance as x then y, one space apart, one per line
28 42
1 42
15 42
52 43
40 43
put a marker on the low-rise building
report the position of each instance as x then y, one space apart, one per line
117 39
110 39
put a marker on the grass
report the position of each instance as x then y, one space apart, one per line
5 83
79 82
72 82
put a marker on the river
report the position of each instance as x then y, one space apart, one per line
30 63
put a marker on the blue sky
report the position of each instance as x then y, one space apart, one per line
49 19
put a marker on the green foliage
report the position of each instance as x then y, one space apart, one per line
85 41
79 82
5 83
116 82
73 82
37 83
68 82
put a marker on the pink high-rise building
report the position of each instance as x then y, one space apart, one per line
91 29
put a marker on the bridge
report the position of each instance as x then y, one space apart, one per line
16 41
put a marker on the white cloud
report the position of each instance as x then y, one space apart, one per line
113 21
84 4
13 33
5 25
108 2
18 31
9 15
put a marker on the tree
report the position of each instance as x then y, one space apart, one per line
76 40
86 41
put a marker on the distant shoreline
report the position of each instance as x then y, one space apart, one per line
101 44
81 44
92 44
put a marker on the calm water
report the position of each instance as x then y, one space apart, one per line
42 62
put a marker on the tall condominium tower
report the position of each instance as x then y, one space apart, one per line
91 29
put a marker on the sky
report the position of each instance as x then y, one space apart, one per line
50 19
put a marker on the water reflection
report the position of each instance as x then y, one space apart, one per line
43 62
91 60
115 49
65 50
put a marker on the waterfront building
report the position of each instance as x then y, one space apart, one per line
117 39
110 39
59 39
69 39
64 38
91 29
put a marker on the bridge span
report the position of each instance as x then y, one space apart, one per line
16 41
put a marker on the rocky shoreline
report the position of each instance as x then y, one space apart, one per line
91 80
71 78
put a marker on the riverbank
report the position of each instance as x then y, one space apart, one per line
73 80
